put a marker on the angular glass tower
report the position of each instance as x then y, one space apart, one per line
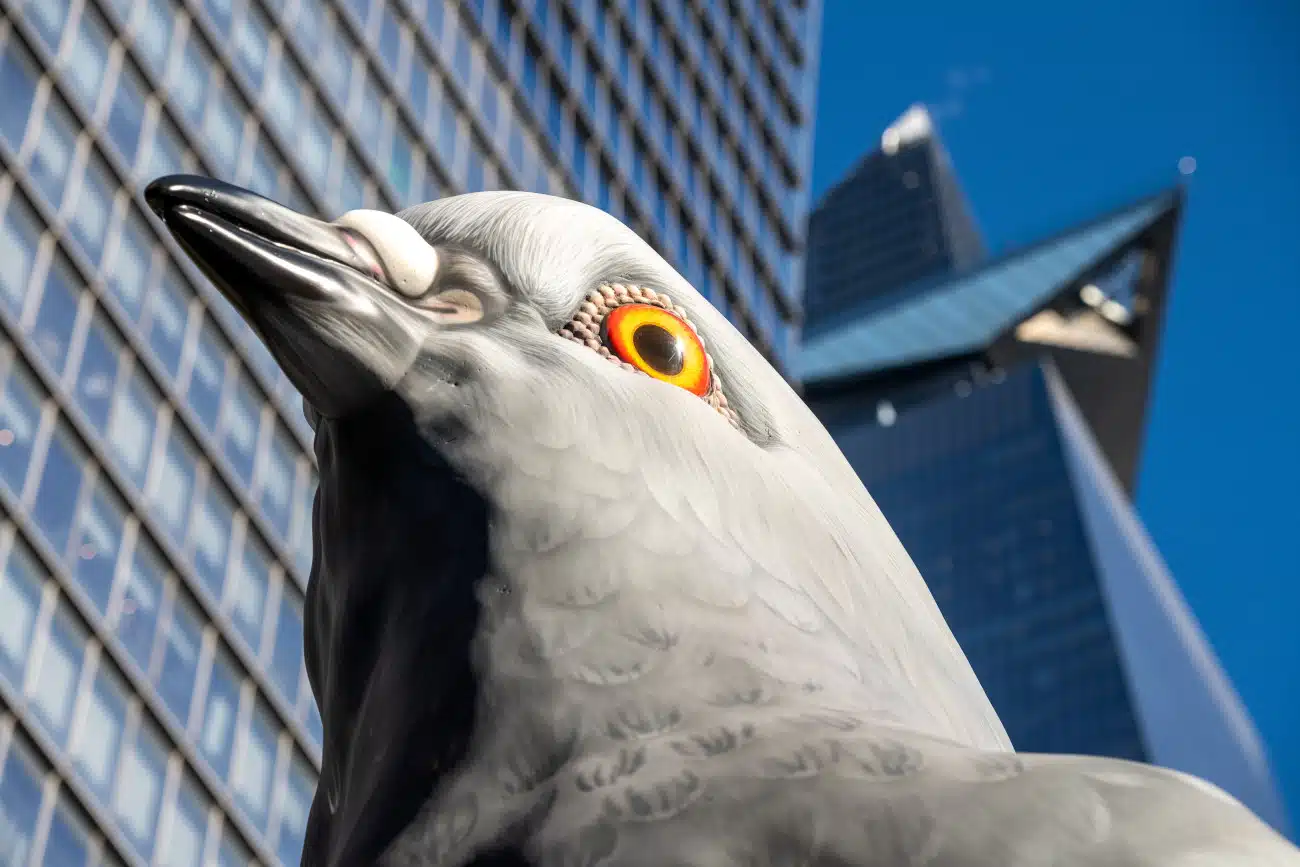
896 217
156 476
996 417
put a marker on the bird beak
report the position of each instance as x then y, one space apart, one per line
303 285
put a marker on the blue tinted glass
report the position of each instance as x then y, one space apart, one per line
286 90
277 480
240 424
435 13
93 206
264 173
56 498
302 544
216 736
167 316
361 9
503 31
100 522
299 790
68 841
131 425
474 170
18 77
51 160
126 116
461 60
245 598
153 29
182 638
223 128
252 38
447 135
208 374
530 73
137 621
232 852
49 18
88 58
52 331
314 144
390 40
139 787
167 153
94 750
399 163
417 88
53 686
366 111
191 79
20 417
287 656
336 63
173 489
352 188
20 805
251 775
315 728
19 234
20 602
183 845
221 12
214 517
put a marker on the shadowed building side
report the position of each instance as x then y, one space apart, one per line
897 217
996 414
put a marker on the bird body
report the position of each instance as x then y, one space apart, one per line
592 586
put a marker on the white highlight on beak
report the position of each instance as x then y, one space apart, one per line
411 264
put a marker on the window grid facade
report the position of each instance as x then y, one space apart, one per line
156 474
584 73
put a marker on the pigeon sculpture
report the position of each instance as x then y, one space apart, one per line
592 586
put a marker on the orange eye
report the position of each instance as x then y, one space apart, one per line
660 343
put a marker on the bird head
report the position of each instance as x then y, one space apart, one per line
461 296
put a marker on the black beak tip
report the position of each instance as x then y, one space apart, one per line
166 193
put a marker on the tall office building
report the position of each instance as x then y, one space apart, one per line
996 416
898 216
156 476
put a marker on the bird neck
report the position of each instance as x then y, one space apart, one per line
392 612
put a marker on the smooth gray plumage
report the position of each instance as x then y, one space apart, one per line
565 613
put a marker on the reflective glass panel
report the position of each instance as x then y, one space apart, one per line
56 498
173 489
182 640
20 805
183 844
216 736
20 417
19 235
94 747
54 682
100 522
20 601
97 373
139 786
214 517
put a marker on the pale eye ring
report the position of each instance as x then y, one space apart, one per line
453 306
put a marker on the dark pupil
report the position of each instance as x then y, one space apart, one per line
660 349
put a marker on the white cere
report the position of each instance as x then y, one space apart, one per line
408 259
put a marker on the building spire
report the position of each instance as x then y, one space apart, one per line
913 125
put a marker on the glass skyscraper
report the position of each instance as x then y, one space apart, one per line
996 416
898 216
156 476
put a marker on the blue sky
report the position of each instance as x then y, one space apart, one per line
1052 112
